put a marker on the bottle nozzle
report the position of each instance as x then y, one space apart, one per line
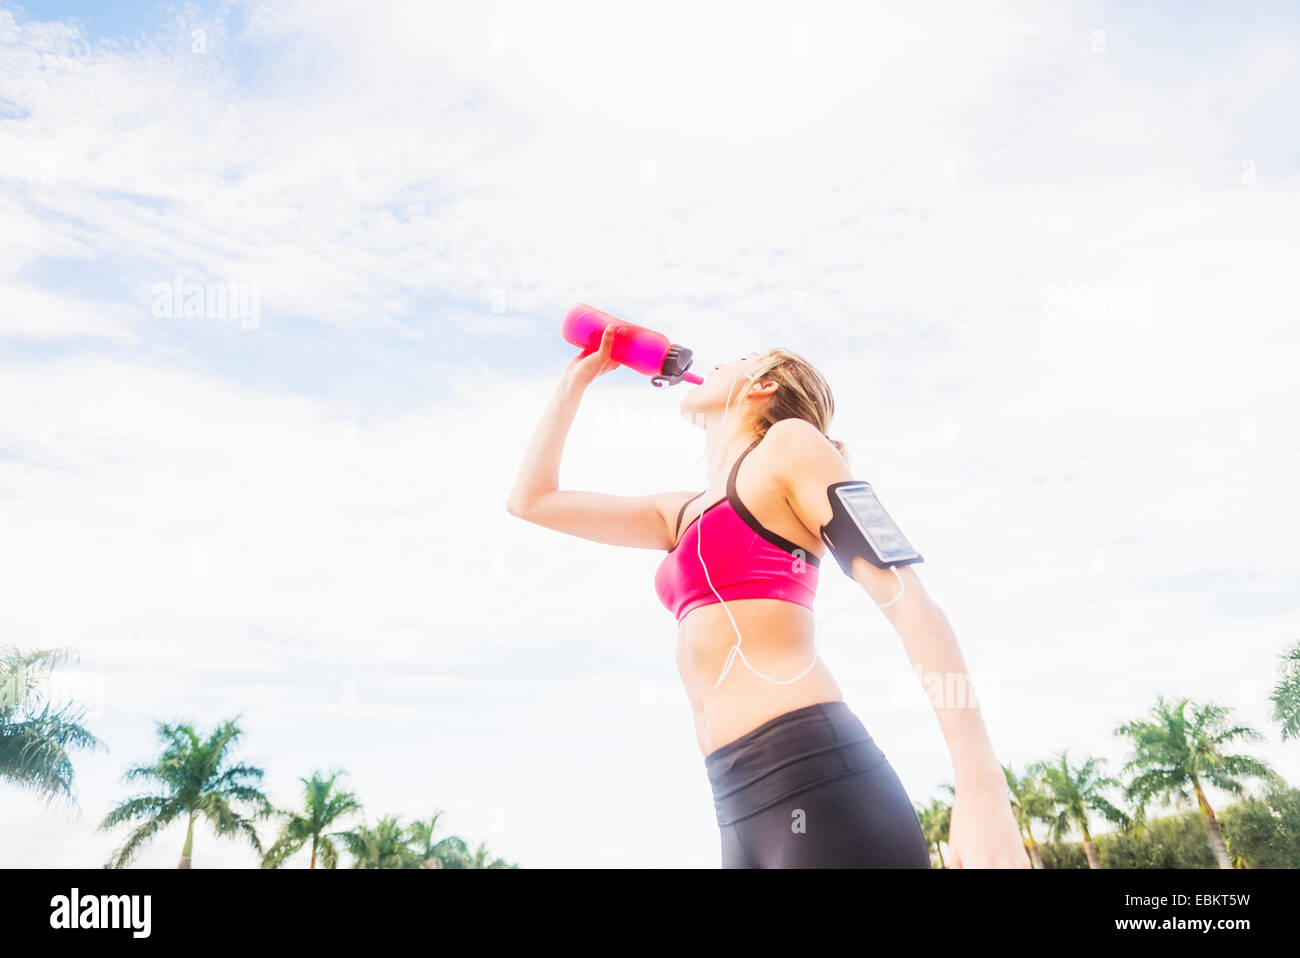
692 378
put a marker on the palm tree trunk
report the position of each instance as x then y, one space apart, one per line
938 847
188 850
1089 849
313 851
1035 856
1090 852
1217 843
1035 859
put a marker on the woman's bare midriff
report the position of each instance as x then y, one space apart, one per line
778 639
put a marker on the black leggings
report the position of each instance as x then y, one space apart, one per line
811 789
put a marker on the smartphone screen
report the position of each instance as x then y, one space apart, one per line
879 529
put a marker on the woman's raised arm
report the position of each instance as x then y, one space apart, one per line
637 521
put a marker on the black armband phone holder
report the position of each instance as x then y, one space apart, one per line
860 526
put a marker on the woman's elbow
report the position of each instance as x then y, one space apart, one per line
524 506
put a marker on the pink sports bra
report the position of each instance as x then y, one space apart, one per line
744 559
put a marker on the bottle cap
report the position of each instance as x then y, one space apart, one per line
676 363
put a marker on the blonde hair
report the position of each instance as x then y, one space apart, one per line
802 393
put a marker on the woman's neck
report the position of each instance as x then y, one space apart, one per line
722 449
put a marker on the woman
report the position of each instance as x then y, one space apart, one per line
797 781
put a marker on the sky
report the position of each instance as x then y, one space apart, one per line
1043 253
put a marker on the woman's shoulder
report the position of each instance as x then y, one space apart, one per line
782 453
792 443
793 432
794 452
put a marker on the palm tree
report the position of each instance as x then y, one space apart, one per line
1029 802
195 781
323 807
1173 752
480 859
35 734
935 819
1286 694
383 846
449 852
1072 793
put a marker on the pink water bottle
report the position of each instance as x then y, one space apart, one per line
648 352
